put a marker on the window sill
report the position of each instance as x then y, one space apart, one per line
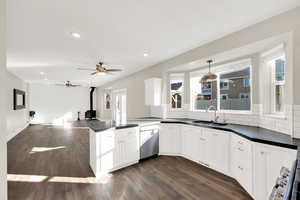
276 116
225 112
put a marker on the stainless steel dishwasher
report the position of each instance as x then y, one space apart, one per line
149 139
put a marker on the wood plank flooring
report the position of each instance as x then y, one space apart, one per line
52 163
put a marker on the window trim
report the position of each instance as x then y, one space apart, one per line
240 65
274 83
176 77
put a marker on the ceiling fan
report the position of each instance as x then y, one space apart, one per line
68 84
100 69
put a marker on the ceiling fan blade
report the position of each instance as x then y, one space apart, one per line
58 84
75 85
114 70
86 69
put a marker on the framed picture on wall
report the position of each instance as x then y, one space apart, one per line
107 101
19 99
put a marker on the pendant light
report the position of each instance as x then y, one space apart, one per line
209 77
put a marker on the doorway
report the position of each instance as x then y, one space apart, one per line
119 106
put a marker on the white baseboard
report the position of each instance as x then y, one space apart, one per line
16 132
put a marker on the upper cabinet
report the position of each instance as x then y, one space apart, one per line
153 91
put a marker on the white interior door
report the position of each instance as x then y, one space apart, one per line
119 106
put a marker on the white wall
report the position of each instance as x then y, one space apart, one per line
57 104
16 120
285 23
3 106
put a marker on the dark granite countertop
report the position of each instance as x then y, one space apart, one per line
98 126
252 133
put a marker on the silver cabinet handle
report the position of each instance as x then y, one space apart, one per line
240 142
262 153
241 168
202 139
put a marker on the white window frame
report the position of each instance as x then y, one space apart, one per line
221 69
269 82
275 83
176 77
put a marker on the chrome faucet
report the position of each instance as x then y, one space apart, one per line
215 109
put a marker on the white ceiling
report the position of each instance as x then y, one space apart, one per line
118 32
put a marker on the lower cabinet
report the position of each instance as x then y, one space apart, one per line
268 161
241 162
113 149
216 144
170 139
254 165
191 142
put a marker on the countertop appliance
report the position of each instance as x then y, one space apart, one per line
149 139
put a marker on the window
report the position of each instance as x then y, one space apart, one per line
203 95
224 96
278 80
224 85
232 90
247 82
177 89
238 96
244 95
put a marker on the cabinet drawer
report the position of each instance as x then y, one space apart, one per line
126 133
241 144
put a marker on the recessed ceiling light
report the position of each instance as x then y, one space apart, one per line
146 54
75 35
42 73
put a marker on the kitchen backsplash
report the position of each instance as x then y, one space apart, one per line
254 118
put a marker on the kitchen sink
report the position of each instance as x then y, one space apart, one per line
202 122
219 123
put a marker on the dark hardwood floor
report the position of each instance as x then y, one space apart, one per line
52 163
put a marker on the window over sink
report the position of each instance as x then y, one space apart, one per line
231 91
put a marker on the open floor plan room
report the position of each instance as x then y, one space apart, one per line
149 100
55 165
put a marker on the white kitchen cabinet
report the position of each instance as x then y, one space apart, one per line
113 149
170 139
268 161
127 146
191 142
216 149
241 162
153 91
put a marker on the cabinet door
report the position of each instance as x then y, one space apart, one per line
268 161
170 139
203 149
218 150
164 140
132 148
190 142
107 151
